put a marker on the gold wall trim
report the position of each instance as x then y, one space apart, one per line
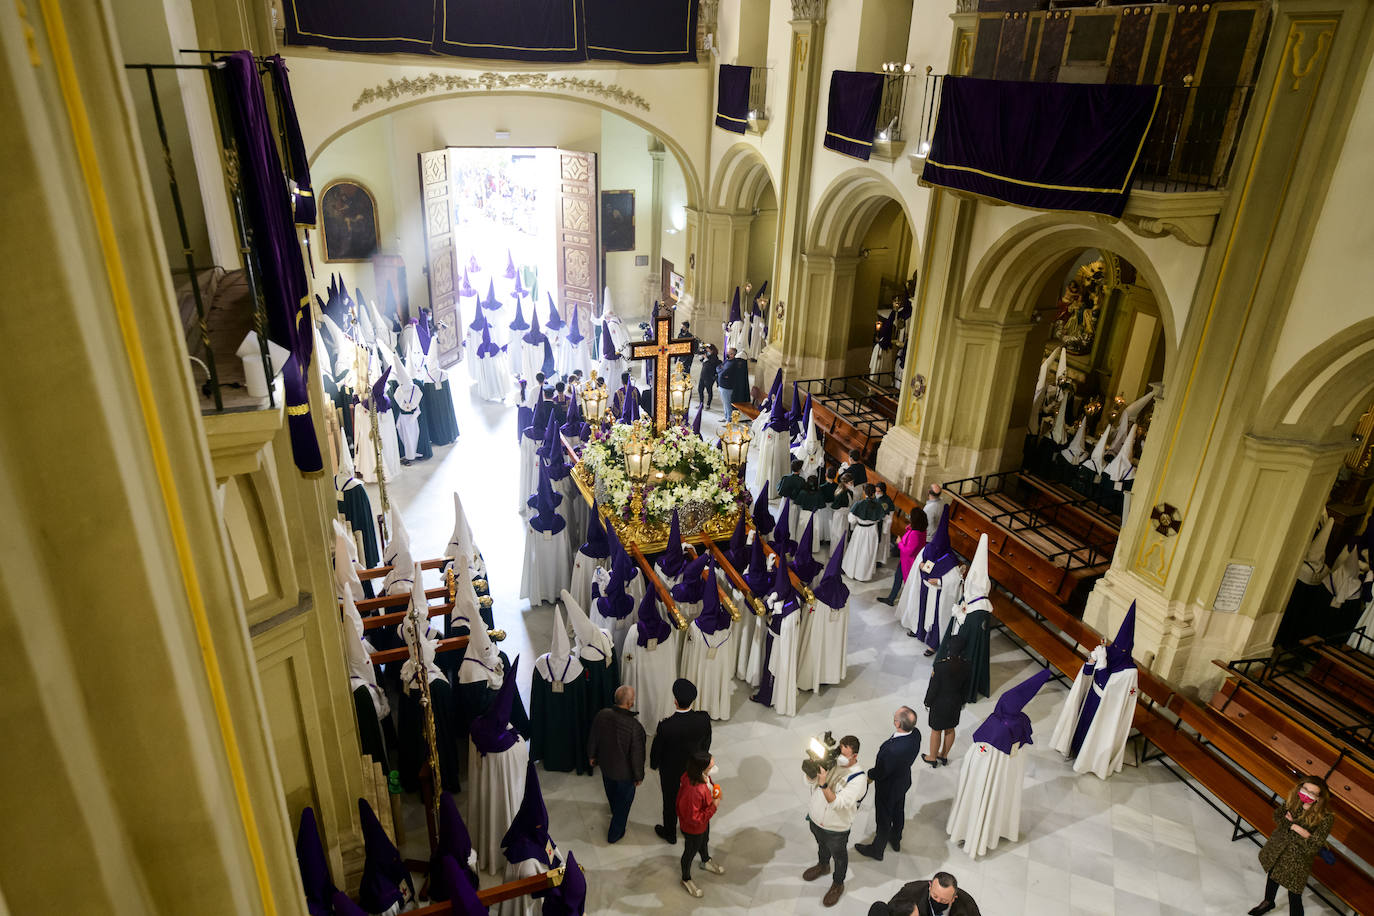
84 142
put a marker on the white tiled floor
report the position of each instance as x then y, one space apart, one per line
1140 843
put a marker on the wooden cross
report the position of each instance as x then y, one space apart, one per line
661 350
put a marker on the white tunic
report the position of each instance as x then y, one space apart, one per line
493 377
529 474
1104 746
708 661
366 457
548 566
824 647
861 553
774 460
582 569
498 788
782 664
749 660
650 670
943 598
987 803
407 398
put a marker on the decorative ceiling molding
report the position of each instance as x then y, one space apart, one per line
433 83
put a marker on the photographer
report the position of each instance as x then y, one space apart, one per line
835 795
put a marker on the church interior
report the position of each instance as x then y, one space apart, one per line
419 374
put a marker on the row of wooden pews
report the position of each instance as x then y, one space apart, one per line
854 411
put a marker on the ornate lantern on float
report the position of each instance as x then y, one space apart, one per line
593 396
679 394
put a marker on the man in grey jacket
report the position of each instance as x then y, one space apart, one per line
616 743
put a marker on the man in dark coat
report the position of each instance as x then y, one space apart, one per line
678 737
734 380
940 896
891 775
616 744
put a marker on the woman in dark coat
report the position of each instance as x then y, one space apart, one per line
1301 825
945 697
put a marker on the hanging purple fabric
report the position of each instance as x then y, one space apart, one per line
664 32
281 267
852 116
303 199
732 98
401 26
529 30
1047 146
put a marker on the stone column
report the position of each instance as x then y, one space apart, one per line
827 287
794 191
724 246
1236 495
653 281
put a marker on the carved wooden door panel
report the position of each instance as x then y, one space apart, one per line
441 259
578 205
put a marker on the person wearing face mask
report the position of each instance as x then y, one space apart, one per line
698 796
940 896
835 796
1301 825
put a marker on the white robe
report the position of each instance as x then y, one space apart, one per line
782 664
861 553
497 784
493 377
548 566
987 803
618 628
651 672
366 457
758 336
737 336
582 569
774 460
574 509
881 360
945 597
407 398
1104 746
823 657
750 658
524 905
708 662
529 474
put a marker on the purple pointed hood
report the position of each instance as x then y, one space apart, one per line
528 835
1009 725
510 266
558 461
473 265
386 880
464 889
607 344
545 504
486 348
832 591
692 586
796 411
615 603
779 420
937 551
1119 652
454 841
466 289
572 427
713 617
782 531
570 897
491 302
491 731
782 589
763 519
319 889
422 331
734 309
630 412
738 549
519 287
596 545
651 622
673 558
806 413
758 576
479 321
550 437
379 398
344 906
518 323
574 332
696 421
555 322
533 336
804 564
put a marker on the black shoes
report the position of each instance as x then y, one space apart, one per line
664 835
888 601
896 845
1264 907
868 849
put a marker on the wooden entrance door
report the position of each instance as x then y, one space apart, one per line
441 258
576 237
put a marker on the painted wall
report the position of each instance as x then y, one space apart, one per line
1333 290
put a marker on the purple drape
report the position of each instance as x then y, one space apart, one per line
852 117
636 32
732 98
1047 146
303 201
401 26
276 247
528 30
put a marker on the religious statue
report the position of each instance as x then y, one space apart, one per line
1080 308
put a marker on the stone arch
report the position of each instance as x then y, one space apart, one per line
690 176
1325 392
740 179
1003 286
846 209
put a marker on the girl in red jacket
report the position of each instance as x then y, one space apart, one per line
697 799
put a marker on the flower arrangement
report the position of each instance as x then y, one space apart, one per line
687 474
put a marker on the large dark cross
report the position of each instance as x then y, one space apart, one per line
661 350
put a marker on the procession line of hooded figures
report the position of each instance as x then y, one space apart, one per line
1331 599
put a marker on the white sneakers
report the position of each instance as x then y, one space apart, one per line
691 888
713 868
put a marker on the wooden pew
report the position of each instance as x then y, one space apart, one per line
1343 671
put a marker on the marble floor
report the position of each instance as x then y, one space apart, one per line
1139 843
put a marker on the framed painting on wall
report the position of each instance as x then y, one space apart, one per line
617 220
348 221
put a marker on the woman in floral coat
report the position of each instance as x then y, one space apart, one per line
1302 823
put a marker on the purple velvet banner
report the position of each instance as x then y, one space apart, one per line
276 248
636 32
1046 146
732 98
303 200
528 30
852 116
362 26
